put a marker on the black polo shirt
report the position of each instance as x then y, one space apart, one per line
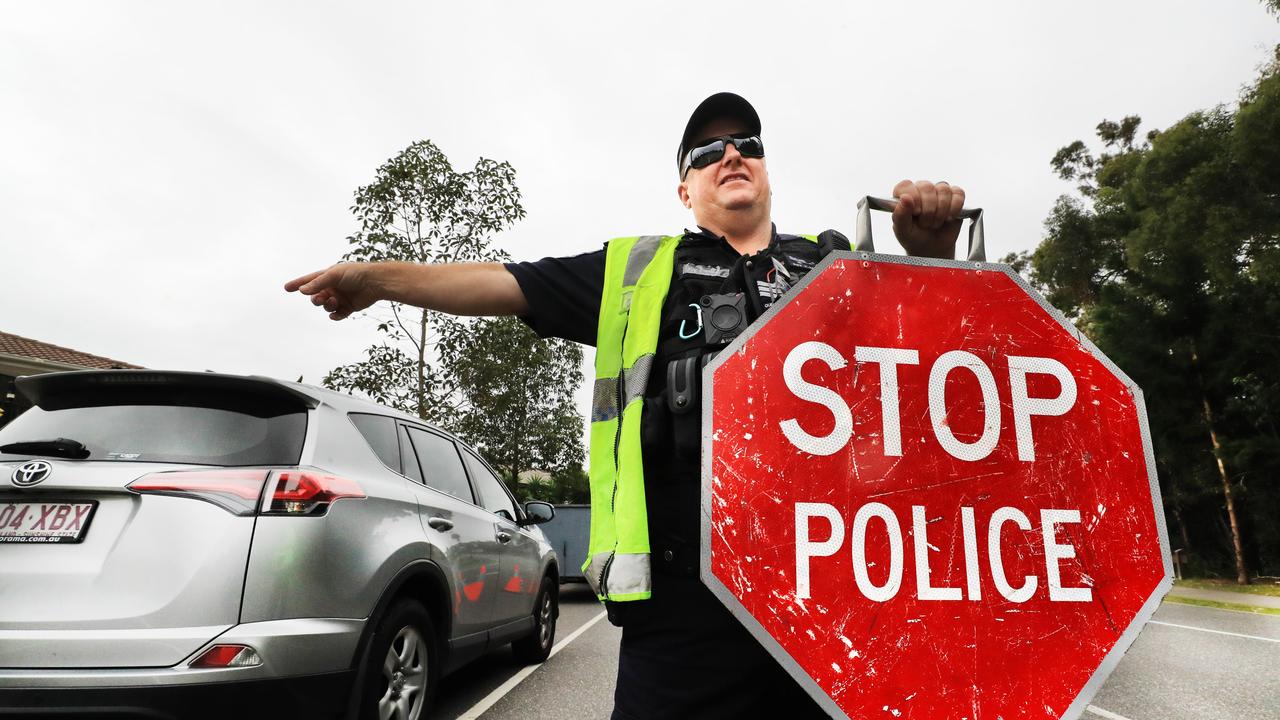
564 301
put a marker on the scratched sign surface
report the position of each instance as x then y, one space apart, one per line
928 497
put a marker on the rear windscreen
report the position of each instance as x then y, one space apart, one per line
165 433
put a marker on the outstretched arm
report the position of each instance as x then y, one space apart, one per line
455 288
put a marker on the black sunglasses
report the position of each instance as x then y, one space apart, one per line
711 151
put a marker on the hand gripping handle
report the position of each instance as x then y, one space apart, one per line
862 235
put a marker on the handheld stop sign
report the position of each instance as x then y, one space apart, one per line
927 494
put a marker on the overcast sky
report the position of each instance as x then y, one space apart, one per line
165 166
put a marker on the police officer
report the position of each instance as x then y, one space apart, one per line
657 308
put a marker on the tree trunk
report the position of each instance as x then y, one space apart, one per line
514 450
422 365
1242 574
1182 529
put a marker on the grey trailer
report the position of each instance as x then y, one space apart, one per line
568 533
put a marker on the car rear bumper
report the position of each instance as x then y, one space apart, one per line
288 648
311 696
307 665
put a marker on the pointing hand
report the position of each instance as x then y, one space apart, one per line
342 289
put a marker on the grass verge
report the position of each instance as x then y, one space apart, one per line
1259 587
1238 607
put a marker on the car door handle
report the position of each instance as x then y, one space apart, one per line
440 524
504 536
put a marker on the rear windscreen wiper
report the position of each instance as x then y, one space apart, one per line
60 447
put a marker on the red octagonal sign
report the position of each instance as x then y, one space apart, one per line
928 495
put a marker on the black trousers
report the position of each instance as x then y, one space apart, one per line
685 656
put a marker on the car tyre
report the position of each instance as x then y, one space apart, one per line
402 667
537 646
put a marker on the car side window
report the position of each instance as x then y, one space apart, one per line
380 432
441 465
493 496
411 469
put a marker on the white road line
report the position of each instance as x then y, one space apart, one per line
1105 713
492 698
1215 632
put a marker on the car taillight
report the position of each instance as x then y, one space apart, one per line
290 491
234 490
223 656
307 492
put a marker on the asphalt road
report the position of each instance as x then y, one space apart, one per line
1176 672
577 682
1190 663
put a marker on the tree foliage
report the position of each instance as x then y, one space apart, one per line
569 486
1170 261
519 410
419 209
387 376
491 381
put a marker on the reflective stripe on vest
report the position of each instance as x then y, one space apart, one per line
637 277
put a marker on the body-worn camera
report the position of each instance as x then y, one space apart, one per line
724 317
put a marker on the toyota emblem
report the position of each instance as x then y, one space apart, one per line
31 473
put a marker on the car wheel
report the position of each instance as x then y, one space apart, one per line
402 666
537 647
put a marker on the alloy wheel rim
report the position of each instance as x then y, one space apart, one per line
545 621
405 671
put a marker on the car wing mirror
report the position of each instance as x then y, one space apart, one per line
537 512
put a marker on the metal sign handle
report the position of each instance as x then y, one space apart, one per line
862 237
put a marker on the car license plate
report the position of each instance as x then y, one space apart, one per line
45 522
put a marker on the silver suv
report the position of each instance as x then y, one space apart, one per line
195 544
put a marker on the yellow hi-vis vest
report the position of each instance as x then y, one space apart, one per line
637 276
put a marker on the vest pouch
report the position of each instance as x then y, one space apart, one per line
683 403
683 378
688 435
655 424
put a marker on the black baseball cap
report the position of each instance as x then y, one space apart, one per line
720 105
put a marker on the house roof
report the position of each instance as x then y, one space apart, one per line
26 347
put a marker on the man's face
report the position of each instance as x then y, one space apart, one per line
734 183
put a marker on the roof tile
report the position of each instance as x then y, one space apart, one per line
26 347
